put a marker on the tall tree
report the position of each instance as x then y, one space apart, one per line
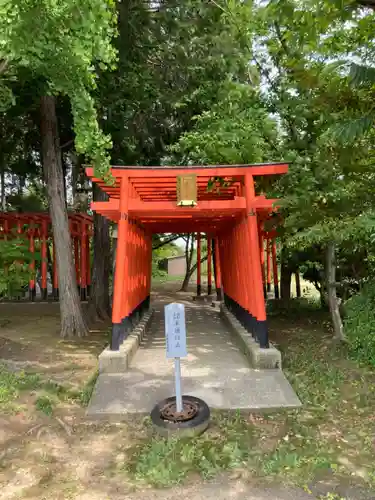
75 36
99 303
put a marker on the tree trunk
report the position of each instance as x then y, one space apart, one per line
99 303
189 251
64 171
333 302
298 284
285 277
190 274
74 162
72 319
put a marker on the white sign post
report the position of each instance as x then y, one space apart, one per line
175 336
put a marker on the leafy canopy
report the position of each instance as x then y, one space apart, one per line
61 42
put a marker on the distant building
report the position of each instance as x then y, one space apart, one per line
174 266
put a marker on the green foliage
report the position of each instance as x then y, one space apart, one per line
75 37
15 272
163 462
85 394
161 253
360 325
45 404
296 306
172 61
362 75
12 383
235 130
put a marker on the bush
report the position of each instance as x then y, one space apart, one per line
295 307
360 325
15 272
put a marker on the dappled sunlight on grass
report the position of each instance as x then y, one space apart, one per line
330 437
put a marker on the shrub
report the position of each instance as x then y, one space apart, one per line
360 325
15 272
293 307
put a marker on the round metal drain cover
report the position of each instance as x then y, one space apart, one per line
169 411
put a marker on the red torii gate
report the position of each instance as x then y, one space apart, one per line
143 201
37 229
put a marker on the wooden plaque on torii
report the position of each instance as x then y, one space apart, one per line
187 192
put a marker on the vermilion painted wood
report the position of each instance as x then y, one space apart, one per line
209 265
244 266
44 237
76 259
83 258
119 308
55 277
269 244
209 170
254 252
88 261
37 226
199 268
230 214
217 265
32 263
262 251
142 210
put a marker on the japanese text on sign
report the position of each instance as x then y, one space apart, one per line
175 330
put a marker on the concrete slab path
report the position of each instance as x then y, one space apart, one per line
215 370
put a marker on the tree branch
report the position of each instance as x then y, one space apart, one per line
194 267
66 144
165 242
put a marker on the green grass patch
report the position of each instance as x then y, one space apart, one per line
14 384
166 278
84 395
294 307
11 386
227 445
45 404
332 435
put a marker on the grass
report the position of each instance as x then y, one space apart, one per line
226 445
48 393
332 435
45 404
165 278
12 384
84 395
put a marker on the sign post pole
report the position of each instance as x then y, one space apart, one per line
175 336
177 372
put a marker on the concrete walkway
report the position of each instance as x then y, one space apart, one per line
215 370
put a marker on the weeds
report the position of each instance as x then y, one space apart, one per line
227 445
11 385
84 395
45 404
